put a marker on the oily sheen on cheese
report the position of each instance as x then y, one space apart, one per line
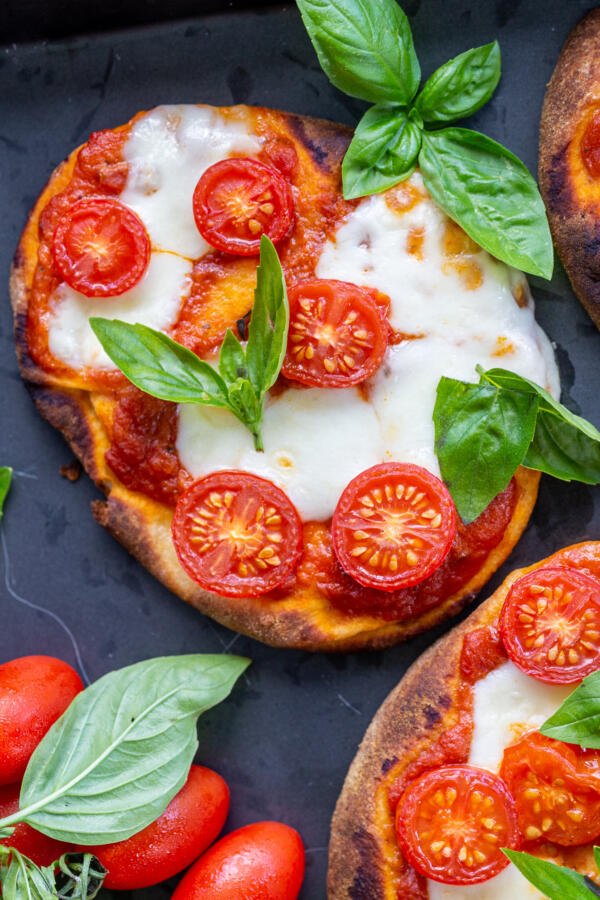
455 304
506 704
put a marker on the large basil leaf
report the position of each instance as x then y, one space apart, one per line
490 193
158 365
5 482
577 720
269 322
365 47
122 750
383 152
461 86
481 437
555 882
564 445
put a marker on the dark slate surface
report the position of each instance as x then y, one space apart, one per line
285 739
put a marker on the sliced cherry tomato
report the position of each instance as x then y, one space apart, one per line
550 624
264 861
237 534
590 145
452 823
34 692
100 247
393 526
556 787
191 822
42 849
238 200
338 334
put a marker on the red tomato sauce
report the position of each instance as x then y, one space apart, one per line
471 546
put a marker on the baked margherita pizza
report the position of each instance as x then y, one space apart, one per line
454 768
337 532
569 162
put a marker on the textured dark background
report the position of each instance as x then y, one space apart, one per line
285 739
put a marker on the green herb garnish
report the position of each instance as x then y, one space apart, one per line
577 720
5 482
366 49
485 431
163 368
555 882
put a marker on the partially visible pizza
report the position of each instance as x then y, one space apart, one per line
569 160
338 533
453 767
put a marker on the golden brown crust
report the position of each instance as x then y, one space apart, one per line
363 851
571 196
307 621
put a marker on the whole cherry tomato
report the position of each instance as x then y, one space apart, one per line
41 849
263 861
34 692
191 822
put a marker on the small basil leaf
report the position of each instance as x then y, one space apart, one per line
22 879
244 403
122 750
158 365
489 192
461 86
564 445
5 481
232 359
481 437
365 47
555 882
269 322
577 720
383 152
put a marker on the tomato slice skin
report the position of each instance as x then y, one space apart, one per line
237 200
101 247
236 534
550 624
440 809
556 787
338 333
590 145
393 526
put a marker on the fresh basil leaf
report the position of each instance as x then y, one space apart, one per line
564 445
461 86
79 876
246 406
22 879
158 365
481 437
577 720
383 152
5 481
365 47
489 192
269 322
122 750
555 882
232 359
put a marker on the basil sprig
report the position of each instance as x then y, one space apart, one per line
165 369
555 882
122 750
366 50
577 720
485 431
5 482
75 876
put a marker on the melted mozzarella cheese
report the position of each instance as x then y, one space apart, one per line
154 301
508 885
315 440
167 151
506 704
458 328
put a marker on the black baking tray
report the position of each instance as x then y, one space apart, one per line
286 737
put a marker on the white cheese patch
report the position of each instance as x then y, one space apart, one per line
167 151
315 441
154 301
508 885
506 703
